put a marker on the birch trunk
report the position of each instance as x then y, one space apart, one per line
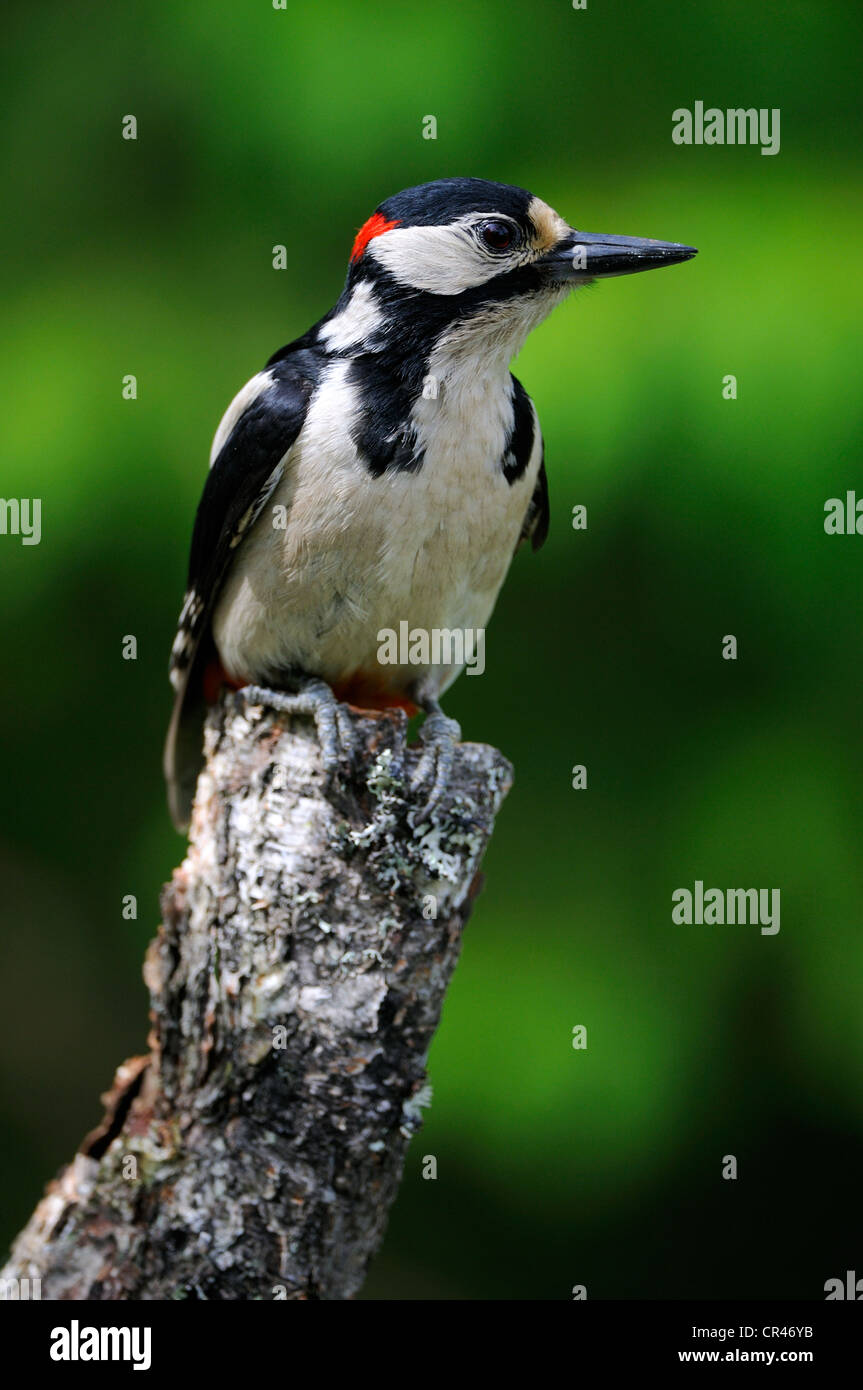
296 982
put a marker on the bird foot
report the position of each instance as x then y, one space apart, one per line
439 736
332 721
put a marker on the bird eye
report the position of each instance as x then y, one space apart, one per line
497 236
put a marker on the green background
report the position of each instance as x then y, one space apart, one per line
705 517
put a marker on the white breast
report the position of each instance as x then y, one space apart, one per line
361 554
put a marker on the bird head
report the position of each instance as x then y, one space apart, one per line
484 258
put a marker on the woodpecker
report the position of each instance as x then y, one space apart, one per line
383 468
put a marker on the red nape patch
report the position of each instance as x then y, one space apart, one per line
376 226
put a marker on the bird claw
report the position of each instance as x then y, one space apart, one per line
332 721
440 735
338 740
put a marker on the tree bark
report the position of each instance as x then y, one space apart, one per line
296 983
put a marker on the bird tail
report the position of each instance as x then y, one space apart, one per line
184 750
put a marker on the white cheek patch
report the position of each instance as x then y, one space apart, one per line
357 322
443 260
243 399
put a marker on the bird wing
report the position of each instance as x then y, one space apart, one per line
250 455
522 443
535 525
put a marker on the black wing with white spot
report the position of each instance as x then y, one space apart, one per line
241 481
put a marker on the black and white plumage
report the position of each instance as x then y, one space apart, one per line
385 466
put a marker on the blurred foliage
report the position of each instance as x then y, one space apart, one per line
259 127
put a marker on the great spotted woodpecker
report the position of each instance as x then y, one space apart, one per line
382 469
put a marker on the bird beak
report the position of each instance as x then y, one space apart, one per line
592 255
